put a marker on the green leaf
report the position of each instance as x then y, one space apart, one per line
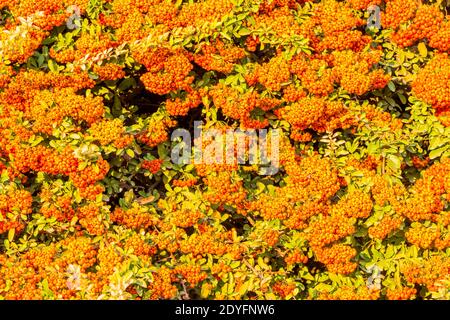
394 162
244 32
52 66
436 153
126 84
40 60
117 106
130 153
422 49
436 142
402 98
11 233
391 86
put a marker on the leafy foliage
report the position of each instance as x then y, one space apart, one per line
91 205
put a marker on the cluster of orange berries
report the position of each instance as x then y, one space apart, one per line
296 256
169 240
129 25
191 273
21 91
218 270
363 4
168 75
318 114
184 183
110 131
218 56
224 189
443 218
139 246
208 241
44 159
398 12
380 118
347 19
355 204
152 59
92 191
352 39
280 20
184 218
300 136
165 12
121 9
181 107
234 104
272 207
440 40
385 227
17 48
251 43
48 109
292 93
268 6
56 206
312 175
328 32
422 236
109 71
309 208
152 165
425 24
315 75
283 289
14 203
324 231
161 287
351 293
62 56
329 229
426 200
91 219
402 293
137 217
432 83
353 71
21 278
273 74
271 237
198 13
92 44
444 118
91 174
427 272
55 12
156 132
77 250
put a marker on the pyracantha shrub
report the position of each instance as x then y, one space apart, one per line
93 205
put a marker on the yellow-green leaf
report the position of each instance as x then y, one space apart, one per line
11 233
422 49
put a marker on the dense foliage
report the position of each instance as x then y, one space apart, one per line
92 207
